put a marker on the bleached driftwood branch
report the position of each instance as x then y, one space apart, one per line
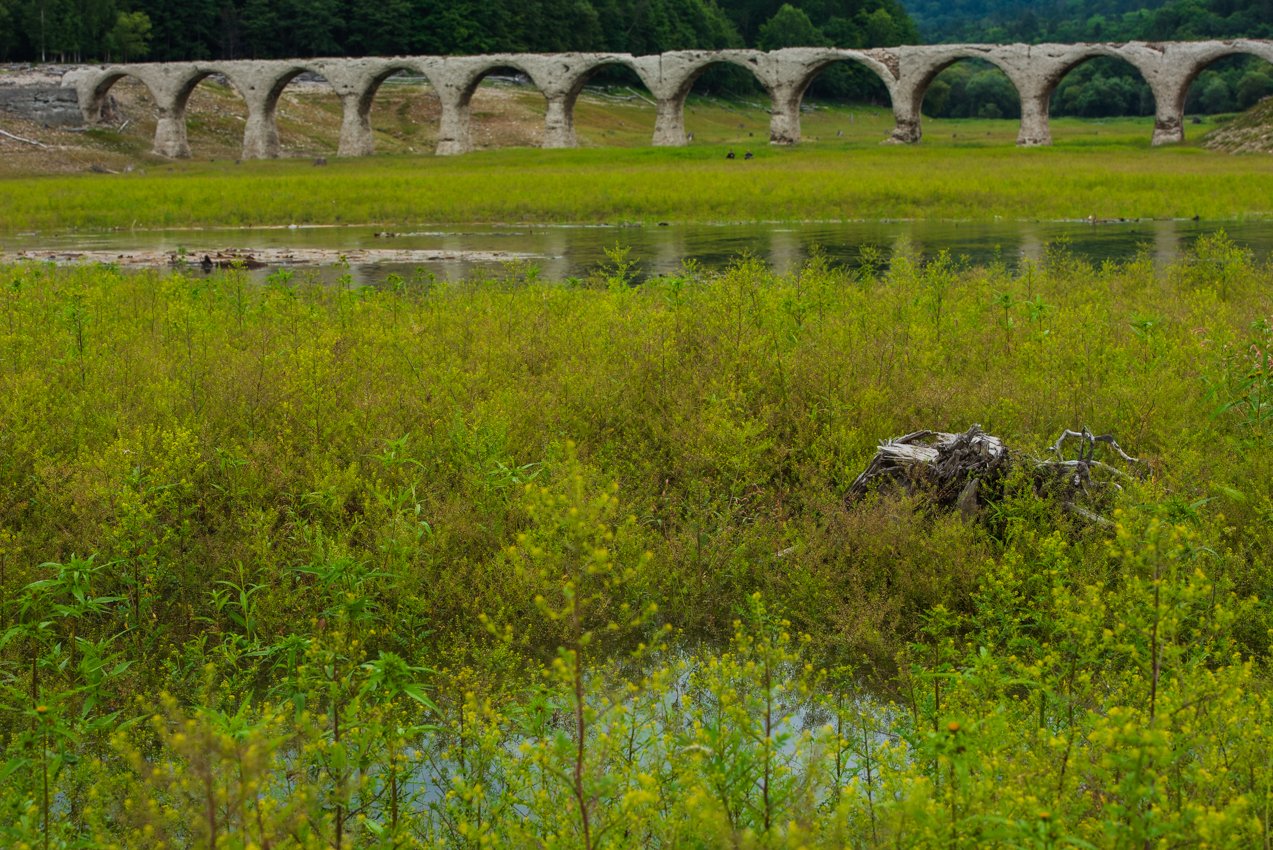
20 139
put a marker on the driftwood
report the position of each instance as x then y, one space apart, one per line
20 139
220 261
962 471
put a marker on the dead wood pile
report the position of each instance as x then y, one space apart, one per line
961 471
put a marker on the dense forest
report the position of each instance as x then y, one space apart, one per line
239 29
88 30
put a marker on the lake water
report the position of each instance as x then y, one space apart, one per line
572 251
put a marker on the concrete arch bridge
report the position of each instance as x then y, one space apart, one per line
1035 70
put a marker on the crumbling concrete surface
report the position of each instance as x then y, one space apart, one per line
49 105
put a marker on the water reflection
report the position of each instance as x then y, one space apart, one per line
566 251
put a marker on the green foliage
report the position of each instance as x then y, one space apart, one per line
790 27
510 562
203 29
1092 20
131 35
1105 177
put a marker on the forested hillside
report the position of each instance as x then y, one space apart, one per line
1090 20
236 29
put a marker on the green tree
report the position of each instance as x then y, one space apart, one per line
1253 87
1216 97
8 29
309 27
880 31
790 27
259 23
131 35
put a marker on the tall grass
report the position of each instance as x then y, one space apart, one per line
309 566
856 181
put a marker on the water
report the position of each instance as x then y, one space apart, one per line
560 252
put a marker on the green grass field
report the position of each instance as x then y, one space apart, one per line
963 170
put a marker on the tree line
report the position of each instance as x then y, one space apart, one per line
177 30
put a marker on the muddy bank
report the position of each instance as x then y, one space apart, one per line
209 259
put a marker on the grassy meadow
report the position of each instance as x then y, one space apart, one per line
964 169
515 563
652 184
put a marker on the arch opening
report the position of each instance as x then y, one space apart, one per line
971 88
307 113
505 109
722 101
615 108
401 110
1102 87
1233 83
215 113
1232 99
850 81
845 98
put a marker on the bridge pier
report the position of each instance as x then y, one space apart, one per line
669 77
455 133
1169 127
170 132
356 136
784 120
559 120
907 124
260 134
669 123
1036 128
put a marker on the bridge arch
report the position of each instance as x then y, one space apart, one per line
794 69
1048 66
261 84
170 86
919 66
671 76
357 92
1223 50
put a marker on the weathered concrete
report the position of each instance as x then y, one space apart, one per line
51 105
1035 70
